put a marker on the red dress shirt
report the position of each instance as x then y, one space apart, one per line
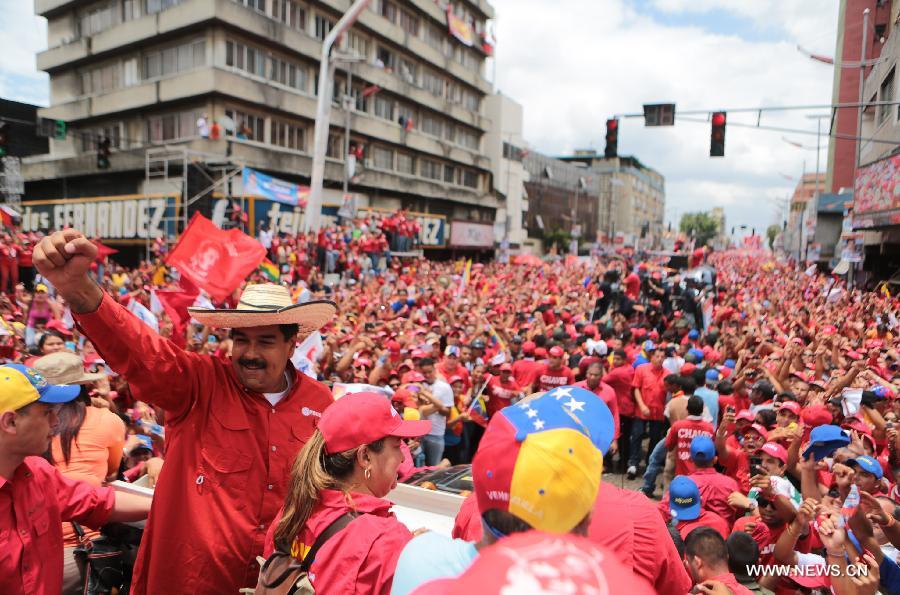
706 519
228 460
621 379
649 381
33 505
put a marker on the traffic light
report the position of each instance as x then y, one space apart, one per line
103 153
4 138
717 136
59 129
612 138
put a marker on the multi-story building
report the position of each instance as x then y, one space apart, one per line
801 225
882 15
177 73
505 147
563 203
633 197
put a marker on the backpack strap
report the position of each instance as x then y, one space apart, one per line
329 532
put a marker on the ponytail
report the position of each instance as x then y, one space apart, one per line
313 471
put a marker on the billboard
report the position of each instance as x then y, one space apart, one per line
467 234
876 194
262 185
136 217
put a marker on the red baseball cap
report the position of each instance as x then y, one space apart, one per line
556 351
506 367
759 430
362 418
520 559
688 369
412 377
455 378
529 347
775 450
745 414
816 415
540 352
792 406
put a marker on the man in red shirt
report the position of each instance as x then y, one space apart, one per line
620 377
233 430
650 397
683 432
451 367
594 383
553 373
525 369
687 511
35 498
737 460
706 557
714 487
501 390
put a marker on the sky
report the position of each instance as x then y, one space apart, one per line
574 63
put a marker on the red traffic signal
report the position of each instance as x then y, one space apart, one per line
717 135
612 138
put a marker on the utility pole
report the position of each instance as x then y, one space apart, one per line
313 218
862 80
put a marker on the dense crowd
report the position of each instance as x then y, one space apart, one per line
757 402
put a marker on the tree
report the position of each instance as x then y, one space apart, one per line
701 226
772 232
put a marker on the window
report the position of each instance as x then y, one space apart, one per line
433 36
469 178
384 58
130 72
450 132
259 5
409 22
384 158
357 44
431 125
131 9
454 92
98 17
323 26
467 138
101 79
175 59
512 152
247 126
431 169
471 101
433 83
90 137
288 135
384 107
449 174
389 10
406 164
886 94
359 102
290 13
175 126
154 6
408 71
335 146
407 113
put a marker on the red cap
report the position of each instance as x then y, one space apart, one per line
59 326
529 347
791 406
775 450
412 377
540 352
393 346
745 414
455 378
506 367
522 559
362 418
816 415
556 351
759 430
688 369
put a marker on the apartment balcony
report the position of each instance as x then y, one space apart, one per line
48 7
53 58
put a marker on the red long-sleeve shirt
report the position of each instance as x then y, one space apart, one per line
608 395
33 504
714 490
620 379
228 460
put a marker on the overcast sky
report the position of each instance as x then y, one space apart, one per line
574 63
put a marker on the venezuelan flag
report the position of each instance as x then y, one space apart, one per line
466 276
268 268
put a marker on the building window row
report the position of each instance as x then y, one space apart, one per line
387 108
171 60
153 64
90 137
173 126
100 16
258 62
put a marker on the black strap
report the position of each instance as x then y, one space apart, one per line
329 532
78 530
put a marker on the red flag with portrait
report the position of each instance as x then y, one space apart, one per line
214 259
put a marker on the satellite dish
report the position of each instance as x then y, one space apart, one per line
227 123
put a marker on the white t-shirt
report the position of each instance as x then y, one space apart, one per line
444 394
275 398
202 127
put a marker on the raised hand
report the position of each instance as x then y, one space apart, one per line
64 258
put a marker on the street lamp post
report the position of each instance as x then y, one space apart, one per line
313 218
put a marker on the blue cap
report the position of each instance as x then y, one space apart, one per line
21 386
729 363
712 374
649 346
703 449
867 463
693 333
145 442
824 440
697 353
684 499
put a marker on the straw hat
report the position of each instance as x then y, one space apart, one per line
266 304
64 367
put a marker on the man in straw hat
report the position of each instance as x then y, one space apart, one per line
233 431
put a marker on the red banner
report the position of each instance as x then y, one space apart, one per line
215 260
176 304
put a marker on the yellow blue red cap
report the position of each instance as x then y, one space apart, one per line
21 386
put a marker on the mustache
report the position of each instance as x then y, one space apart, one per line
251 363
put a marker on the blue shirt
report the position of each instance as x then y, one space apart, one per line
890 575
431 556
711 400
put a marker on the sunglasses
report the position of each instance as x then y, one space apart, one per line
834 493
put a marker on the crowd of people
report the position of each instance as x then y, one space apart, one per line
756 402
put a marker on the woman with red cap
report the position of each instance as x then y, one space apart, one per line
336 493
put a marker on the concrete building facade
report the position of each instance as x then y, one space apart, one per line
505 146
154 73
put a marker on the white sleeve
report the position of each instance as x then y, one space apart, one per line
806 560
